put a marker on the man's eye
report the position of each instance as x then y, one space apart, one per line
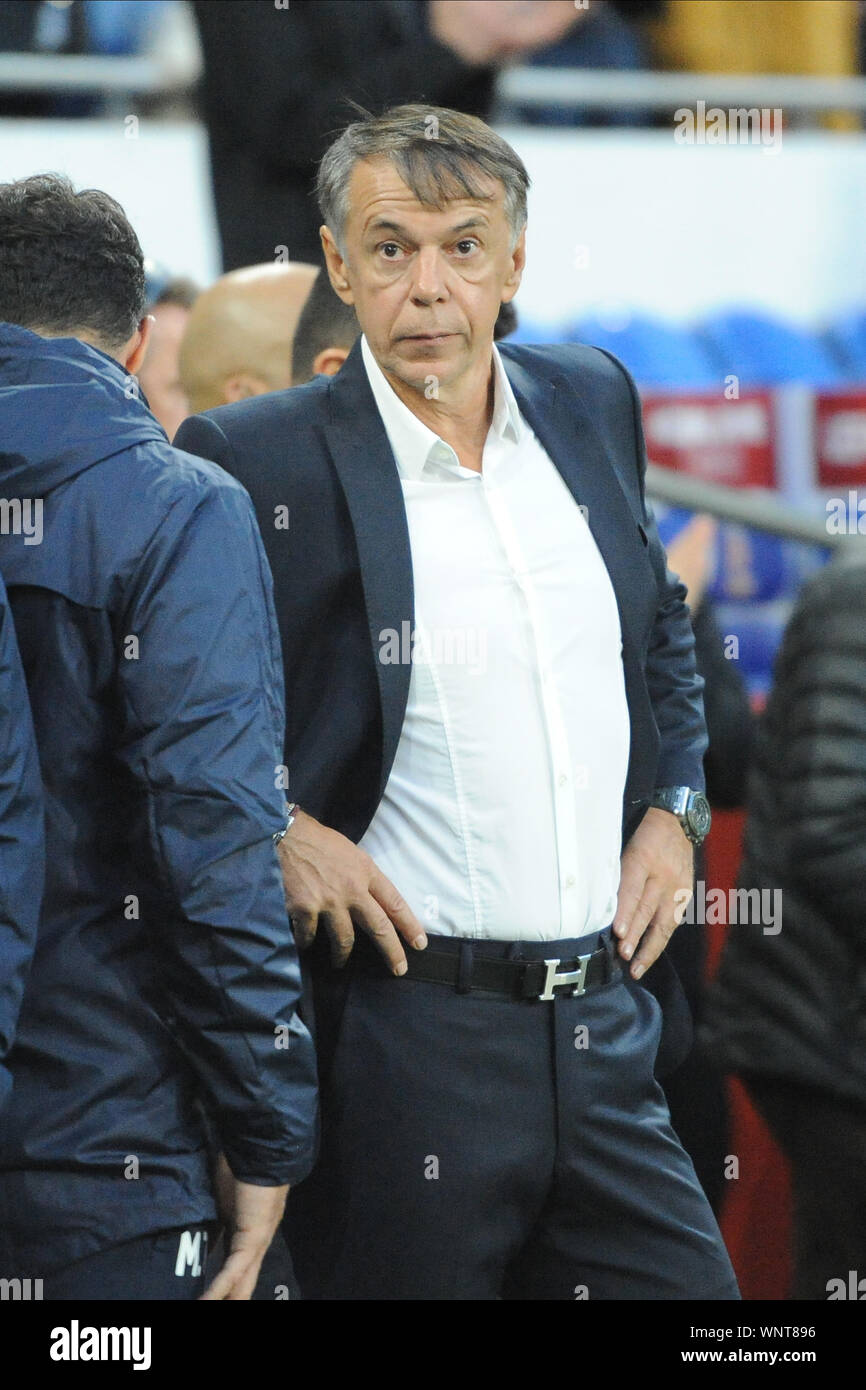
388 249
467 242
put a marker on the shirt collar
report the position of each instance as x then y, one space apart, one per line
414 444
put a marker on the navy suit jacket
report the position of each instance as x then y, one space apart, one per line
318 465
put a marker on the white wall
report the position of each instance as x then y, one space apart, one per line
161 178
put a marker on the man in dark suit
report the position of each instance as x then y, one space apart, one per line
490 679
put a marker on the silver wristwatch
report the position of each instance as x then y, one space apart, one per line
691 809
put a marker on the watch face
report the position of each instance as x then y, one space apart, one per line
699 815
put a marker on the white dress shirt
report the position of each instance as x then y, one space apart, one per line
501 818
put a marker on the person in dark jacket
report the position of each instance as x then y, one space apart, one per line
160 1008
787 1012
277 79
696 1090
22 841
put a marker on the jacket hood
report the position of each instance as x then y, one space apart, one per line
63 408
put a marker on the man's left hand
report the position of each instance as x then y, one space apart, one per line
657 871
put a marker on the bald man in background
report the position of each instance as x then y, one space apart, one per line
238 341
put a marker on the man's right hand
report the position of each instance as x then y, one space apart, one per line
329 882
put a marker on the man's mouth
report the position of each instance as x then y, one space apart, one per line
426 337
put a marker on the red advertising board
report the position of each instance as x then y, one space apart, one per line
840 438
701 433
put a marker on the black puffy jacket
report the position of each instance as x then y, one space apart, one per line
791 1004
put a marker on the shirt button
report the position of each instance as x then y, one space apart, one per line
569 882
562 779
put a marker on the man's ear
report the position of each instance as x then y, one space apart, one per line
515 274
241 385
134 352
336 266
329 361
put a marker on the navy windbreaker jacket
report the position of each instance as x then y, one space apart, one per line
22 845
165 977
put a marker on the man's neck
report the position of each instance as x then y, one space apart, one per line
461 415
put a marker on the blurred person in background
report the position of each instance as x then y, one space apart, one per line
506 322
238 339
611 34
276 82
22 839
695 1090
787 1009
326 330
169 303
165 967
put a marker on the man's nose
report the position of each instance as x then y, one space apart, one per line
428 282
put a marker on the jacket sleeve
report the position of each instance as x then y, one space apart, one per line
674 685
22 844
202 697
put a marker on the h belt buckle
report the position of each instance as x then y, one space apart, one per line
568 977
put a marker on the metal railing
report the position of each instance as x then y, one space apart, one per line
618 90
599 88
89 73
760 511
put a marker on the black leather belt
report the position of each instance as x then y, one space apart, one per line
468 972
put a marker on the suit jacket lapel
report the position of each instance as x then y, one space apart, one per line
371 483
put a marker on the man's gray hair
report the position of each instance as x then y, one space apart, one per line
438 153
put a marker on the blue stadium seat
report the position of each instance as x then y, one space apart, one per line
533 333
846 339
764 351
117 27
657 354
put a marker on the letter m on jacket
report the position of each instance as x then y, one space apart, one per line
189 1254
